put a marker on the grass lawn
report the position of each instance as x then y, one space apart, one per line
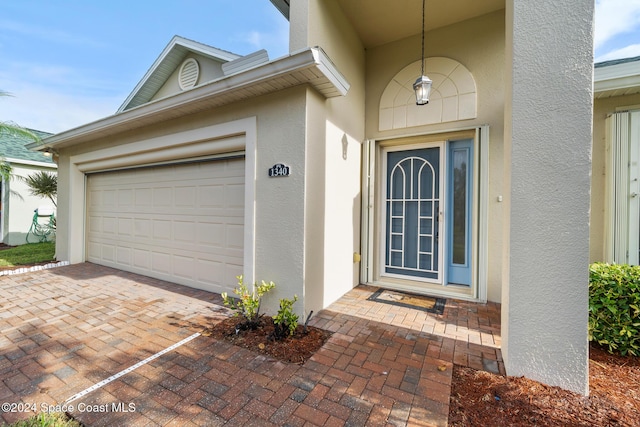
30 253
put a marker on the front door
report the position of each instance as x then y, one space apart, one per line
427 213
413 246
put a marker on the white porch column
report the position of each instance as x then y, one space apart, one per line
548 117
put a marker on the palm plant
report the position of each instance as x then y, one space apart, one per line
12 128
9 128
43 184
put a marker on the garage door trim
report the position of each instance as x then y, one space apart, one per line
226 138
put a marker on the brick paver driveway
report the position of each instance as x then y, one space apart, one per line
68 329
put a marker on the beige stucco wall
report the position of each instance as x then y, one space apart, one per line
549 134
18 205
335 130
279 248
210 70
601 109
478 44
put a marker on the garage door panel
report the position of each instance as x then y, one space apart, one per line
182 223
197 249
125 226
234 195
185 231
109 225
123 255
142 259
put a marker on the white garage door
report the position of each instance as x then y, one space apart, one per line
182 223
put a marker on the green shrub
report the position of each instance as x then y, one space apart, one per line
248 302
44 419
614 307
285 321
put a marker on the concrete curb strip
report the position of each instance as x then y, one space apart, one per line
34 268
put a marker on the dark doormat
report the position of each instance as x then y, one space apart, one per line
404 299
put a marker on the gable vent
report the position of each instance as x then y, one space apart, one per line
189 73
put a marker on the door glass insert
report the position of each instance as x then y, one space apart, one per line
459 229
412 213
459 183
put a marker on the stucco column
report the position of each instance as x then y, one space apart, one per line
548 116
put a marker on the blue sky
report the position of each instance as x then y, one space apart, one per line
70 62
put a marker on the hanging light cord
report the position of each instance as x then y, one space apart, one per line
422 52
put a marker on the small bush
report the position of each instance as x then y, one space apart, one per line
285 321
614 307
44 419
248 302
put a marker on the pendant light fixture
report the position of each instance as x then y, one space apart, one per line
422 86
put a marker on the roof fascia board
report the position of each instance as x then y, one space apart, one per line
309 58
282 6
188 44
617 76
31 163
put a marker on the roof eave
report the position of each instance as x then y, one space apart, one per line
282 6
616 77
31 163
309 66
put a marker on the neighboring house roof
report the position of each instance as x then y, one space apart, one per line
616 78
168 61
13 148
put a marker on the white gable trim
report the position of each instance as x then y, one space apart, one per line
170 58
309 66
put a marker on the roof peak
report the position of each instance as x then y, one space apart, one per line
170 58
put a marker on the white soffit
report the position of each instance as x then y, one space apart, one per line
282 6
617 78
310 66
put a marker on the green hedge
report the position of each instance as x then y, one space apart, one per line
614 307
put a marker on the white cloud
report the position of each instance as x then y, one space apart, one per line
625 52
275 41
43 109
48 34
615 17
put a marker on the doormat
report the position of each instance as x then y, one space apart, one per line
403 299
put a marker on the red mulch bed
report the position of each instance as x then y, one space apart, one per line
294 349
484 399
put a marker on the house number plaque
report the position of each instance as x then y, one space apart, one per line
279 170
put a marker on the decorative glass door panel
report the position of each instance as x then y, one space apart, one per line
459 188
412 214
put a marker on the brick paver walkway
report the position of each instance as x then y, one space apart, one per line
66 329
